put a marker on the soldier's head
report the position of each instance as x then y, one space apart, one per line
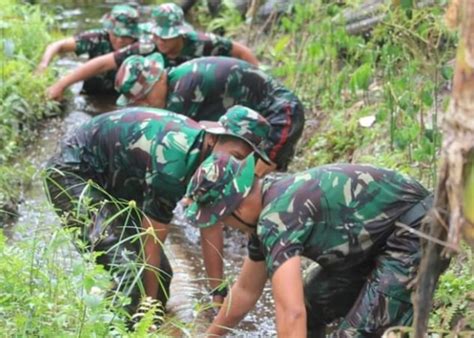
122 25
240 131
142 81
224 189
169 26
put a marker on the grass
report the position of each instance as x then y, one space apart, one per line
22 93
397 73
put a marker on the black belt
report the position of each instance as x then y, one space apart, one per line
418 211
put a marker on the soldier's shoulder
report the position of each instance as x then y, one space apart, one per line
94 33
201 37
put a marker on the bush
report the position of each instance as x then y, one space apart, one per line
22 93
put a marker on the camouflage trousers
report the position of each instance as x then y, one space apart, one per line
370 297
102 224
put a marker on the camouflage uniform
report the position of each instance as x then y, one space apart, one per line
141 154
121 21
96 43
196 45
146 155
343 218
205 88
169 23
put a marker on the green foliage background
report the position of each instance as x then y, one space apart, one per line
23 37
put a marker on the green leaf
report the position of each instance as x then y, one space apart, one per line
88 282
282 43
447 72
427 98
92 301
361 77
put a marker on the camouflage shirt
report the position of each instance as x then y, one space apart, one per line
337 215
142 47
96 43
140 154
196 44
205 88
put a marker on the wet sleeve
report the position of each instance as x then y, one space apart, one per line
137 48
182 96
162 195
280 242
87 41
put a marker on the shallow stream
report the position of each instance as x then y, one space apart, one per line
189 284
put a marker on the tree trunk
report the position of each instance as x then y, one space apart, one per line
453 212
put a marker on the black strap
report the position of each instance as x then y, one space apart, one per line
418 211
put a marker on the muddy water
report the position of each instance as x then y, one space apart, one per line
189 286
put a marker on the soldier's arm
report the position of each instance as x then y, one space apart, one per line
244 53
287 287
91 68
59 47
242 297
155 235
212 244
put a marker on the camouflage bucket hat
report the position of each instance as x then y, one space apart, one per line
217 188
136 77
246 124
122 21
168 21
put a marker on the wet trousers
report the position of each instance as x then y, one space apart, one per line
370 297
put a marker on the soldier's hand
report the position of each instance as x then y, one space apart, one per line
55 92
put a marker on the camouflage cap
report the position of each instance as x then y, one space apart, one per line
136 77
246 124
122 21
168 21
217 188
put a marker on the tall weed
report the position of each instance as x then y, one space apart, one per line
397 73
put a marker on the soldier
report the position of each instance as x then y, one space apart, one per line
120 29
205 88
344 217
172 37
144 155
